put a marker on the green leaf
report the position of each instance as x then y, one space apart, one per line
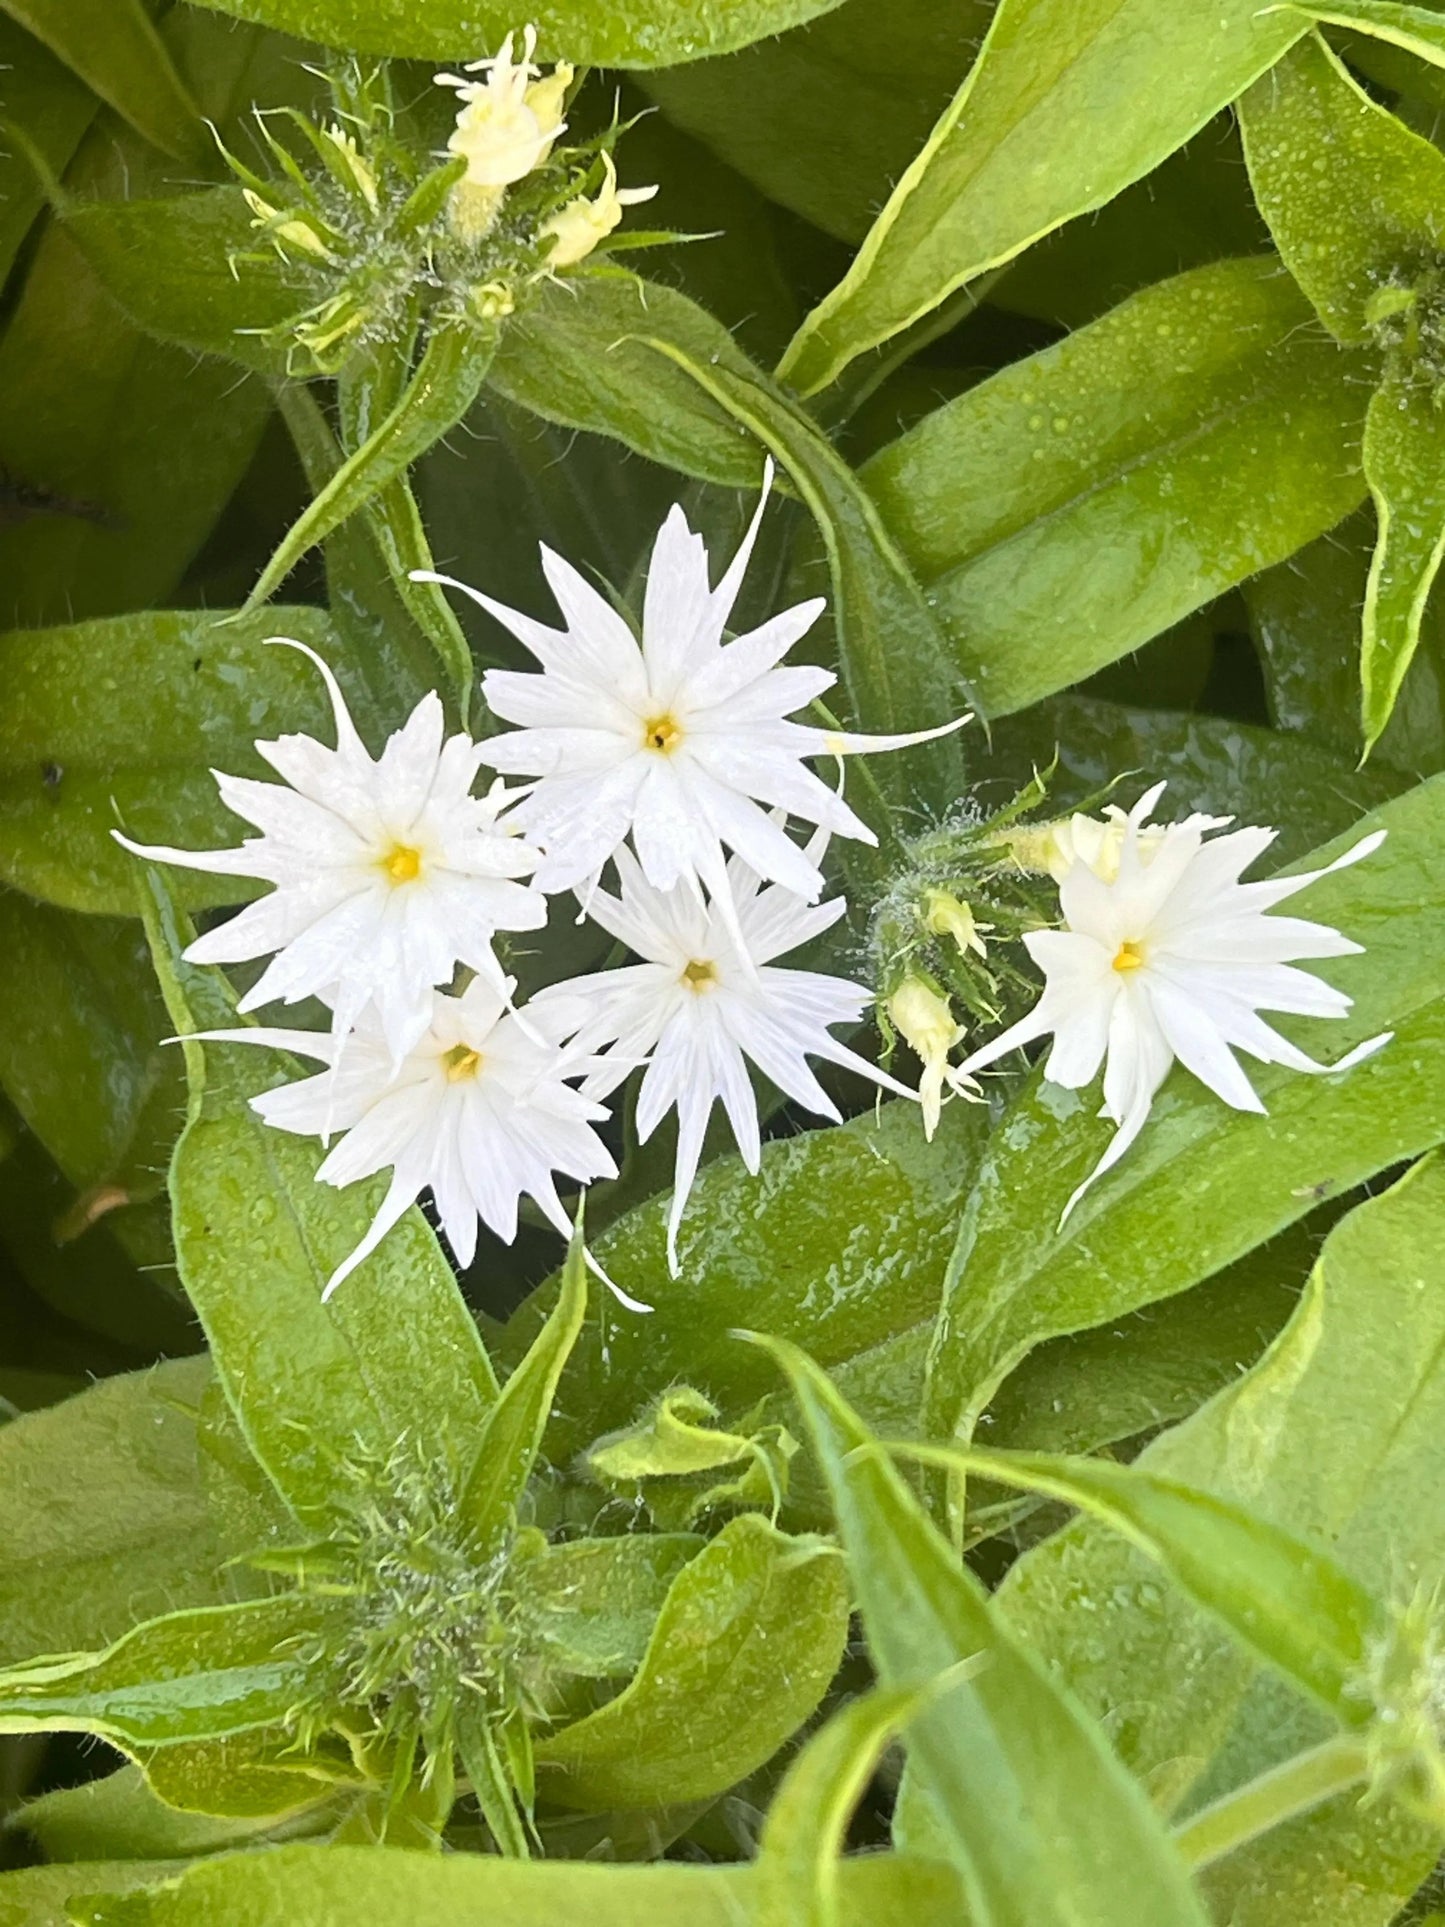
320 1885
891 650
1360 224
1334 1435
115 49
1086 498
510 1437
1196 1191
394 1355
592 1603
799 1854
37 1896
87 1071
1288 1601
1404 460
630 33
578 354
446 383
1419 30
119 1817
1381 203
826 119
168 264
1068 102
192 1675
80 754
840 1244
1305 623
51 108
1041 1819
103 1519
744 1648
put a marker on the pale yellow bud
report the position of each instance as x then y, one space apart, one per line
924 1020
493 301
578 227
1097 842
946 916
295 234
505 128
359 168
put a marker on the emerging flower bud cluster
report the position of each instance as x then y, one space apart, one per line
374 234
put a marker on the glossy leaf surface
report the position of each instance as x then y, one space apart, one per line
1104 90
1083 500
1332 1434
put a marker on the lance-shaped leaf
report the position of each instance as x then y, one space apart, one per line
102 1514
506 1448
591 1604
894 658
197 1675
1041 1819
1198 1189
1086 498
395 1355
1419 30
1068 102
447 381
116 50
744 1648
168 264
1288 1601
121 1815
1362 233
625 33
320 1885
37 1896
1334 1434
798 1861
51 108
578 354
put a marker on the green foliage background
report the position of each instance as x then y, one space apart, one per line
1100 345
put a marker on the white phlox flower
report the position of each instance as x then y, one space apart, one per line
704 999
679 741
478 1113
1166 954
576 229
506 124
388 871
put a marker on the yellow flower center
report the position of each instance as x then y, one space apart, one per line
402 863
661 733
1129 956
700 974
462 1061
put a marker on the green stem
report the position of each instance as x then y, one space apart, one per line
1286 1790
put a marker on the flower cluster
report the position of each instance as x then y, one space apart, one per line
372 233
674 759
1164 954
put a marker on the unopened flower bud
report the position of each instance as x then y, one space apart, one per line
946 916
576 228
924 1019
359 169
286 232
1057 847
492 301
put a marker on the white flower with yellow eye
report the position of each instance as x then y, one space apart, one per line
478 1113
388 871
704 1000
681 741
1166 954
